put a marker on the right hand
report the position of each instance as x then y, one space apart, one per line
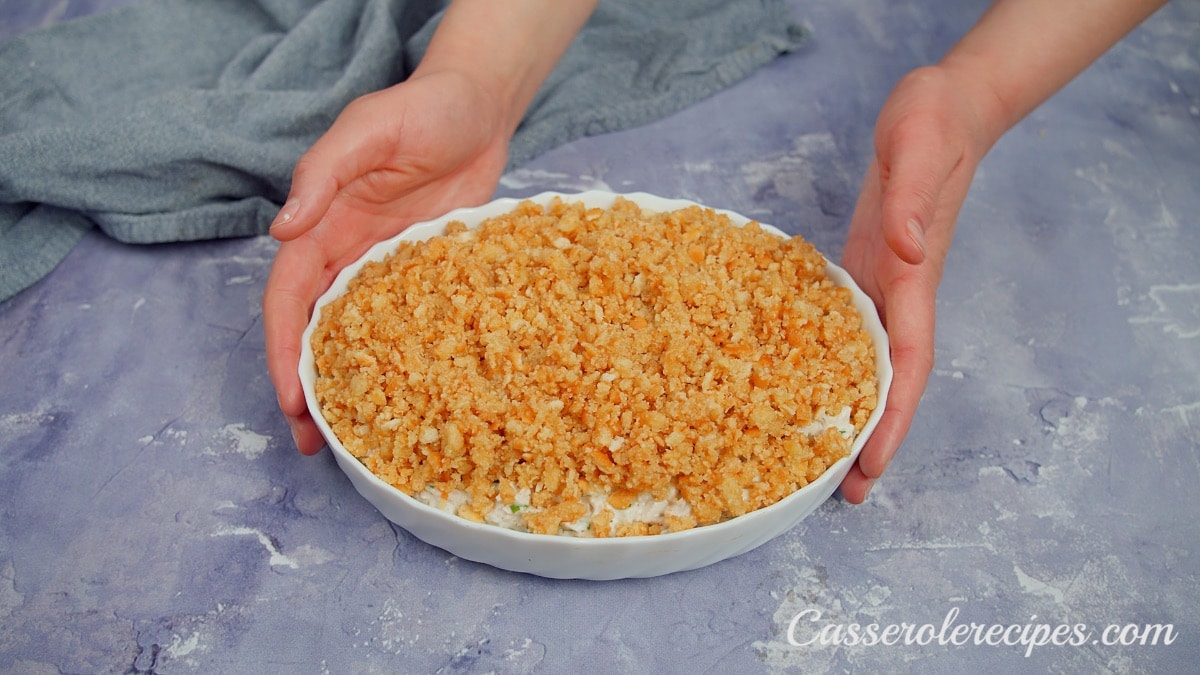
929 138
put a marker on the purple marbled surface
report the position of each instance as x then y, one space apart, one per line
154 516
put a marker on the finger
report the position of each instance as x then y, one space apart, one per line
910 311
863 239
348 150
305 434
292 286
312 191
856 486
916 163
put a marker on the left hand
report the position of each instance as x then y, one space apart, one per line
928 141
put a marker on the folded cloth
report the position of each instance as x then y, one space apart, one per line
180 120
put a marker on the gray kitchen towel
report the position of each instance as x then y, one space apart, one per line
180 120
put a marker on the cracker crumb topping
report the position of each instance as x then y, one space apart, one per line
596 362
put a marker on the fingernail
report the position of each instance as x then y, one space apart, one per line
867 492
286 214
295 436
917 234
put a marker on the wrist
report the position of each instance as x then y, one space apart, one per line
494 96
992 112
505 49
1023 51
467 100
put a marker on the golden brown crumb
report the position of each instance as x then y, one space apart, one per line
573 351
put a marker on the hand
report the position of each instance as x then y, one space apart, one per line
394 157
934 128
929 138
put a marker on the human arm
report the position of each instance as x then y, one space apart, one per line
932 132
437 141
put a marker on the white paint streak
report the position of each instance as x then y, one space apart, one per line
1178 310
519 179
277 558
1184 411
1038 587
180 647
792 173
247 443
705 166
14 422
10 598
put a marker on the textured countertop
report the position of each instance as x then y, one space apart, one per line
154 516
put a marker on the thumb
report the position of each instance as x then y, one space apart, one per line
336 159
313 189
915 163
